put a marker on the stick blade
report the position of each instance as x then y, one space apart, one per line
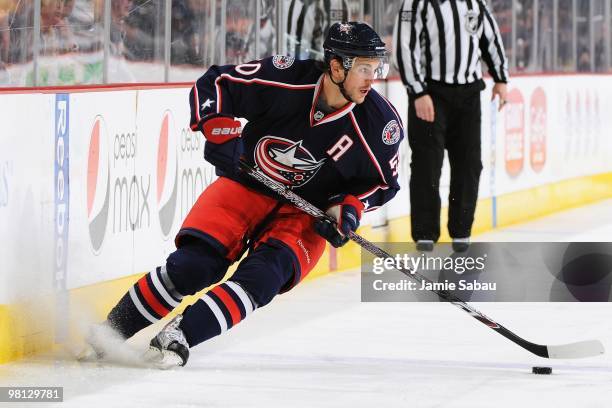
581 349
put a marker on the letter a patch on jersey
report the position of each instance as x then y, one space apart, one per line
340 147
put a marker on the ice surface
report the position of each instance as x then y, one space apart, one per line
319 346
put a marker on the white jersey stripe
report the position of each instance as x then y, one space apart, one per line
253 81
372 191
328 118
266 82
397 116
219 96
367 147
197 102
371 208
451 35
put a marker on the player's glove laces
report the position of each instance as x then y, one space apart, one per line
346 209
223 146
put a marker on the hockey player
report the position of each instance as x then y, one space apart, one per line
317 127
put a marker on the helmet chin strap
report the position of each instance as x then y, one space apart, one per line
340 85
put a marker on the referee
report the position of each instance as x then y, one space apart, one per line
439 47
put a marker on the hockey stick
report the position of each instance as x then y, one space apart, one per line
580 349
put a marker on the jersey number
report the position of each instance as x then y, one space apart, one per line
248 69
394 164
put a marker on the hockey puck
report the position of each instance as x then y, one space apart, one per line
541 370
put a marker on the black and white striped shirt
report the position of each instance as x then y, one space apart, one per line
444 40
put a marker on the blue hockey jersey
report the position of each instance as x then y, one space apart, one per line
353 150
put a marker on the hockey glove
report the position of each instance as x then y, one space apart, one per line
346 209
223 146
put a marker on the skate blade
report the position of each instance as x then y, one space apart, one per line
162 359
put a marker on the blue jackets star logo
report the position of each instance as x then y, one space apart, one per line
286 161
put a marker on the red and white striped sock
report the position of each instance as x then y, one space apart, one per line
149 300
217 311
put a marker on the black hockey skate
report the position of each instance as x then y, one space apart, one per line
169 348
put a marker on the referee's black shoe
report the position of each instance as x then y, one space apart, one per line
425 245
461 244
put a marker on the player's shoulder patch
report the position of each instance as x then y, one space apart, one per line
391 133
282 61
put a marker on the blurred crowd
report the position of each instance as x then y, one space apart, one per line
137 27
535 45
200 37
69 26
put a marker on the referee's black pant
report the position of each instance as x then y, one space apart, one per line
456 127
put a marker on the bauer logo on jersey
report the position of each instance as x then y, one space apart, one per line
391 133
286 161
282 61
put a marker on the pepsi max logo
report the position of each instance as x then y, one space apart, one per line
181 174
286 161
391 133
98 183
167 174
118 191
